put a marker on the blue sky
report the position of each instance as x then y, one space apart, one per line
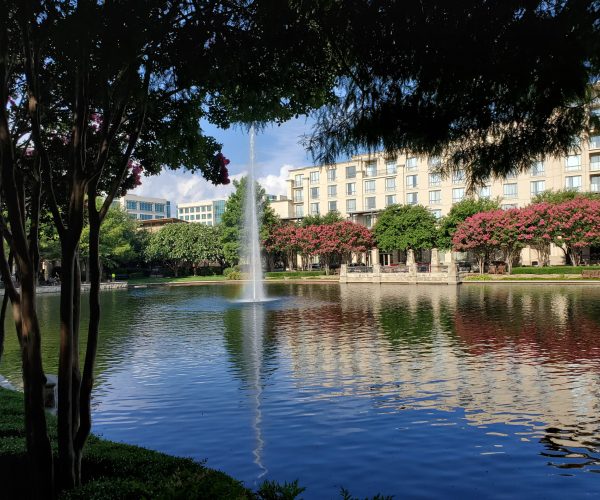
277 150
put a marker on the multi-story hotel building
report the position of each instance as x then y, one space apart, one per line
360 188
144 207
365 185
207 212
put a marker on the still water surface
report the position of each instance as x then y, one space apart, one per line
420 392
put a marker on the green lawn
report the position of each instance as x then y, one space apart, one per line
183 279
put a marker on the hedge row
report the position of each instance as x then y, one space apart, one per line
554 269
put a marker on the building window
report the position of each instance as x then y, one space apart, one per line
437 213
298 178
299 211
412 198
314 193
132 205
594 162
390 184
370 203
203 216
314 177
411 163
595 184
458 177
350 206
314 208
511 175
369 186
132 216
371 169
538 169
390 199
351 172
457 194
510 190
434 162
159 217
435 197
369 221
186 210
332 191
595 142
573 162
435 180
508 206
411 181
537 187
187 217
351 188
484 192
209 216
331 175
145 206
573 182
332 206
159 207
390 167
298 196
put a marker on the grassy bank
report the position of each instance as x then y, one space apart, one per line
111 470
269 276
171 279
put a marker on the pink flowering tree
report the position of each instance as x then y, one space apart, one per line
283 239
573 225
509 232
477 234
535 228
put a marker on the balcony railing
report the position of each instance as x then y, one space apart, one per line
360 269
297 184
377 173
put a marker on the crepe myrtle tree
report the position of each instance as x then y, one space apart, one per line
477 234
93 94
573 225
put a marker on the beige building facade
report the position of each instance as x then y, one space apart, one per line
362 187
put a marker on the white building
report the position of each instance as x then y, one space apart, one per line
145 207
207 212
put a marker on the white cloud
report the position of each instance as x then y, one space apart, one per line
277 151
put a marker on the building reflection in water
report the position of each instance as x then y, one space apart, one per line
526 357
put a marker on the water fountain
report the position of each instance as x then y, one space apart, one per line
253 289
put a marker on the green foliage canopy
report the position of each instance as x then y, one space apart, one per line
232 220
476 83
561 195
403 227
117 239
321 220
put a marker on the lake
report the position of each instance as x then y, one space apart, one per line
476 391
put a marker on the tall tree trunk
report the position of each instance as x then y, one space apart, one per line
65 368
87 381
38 443
76 373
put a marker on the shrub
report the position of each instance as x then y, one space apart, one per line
554 269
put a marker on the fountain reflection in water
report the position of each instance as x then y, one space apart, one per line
253 289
